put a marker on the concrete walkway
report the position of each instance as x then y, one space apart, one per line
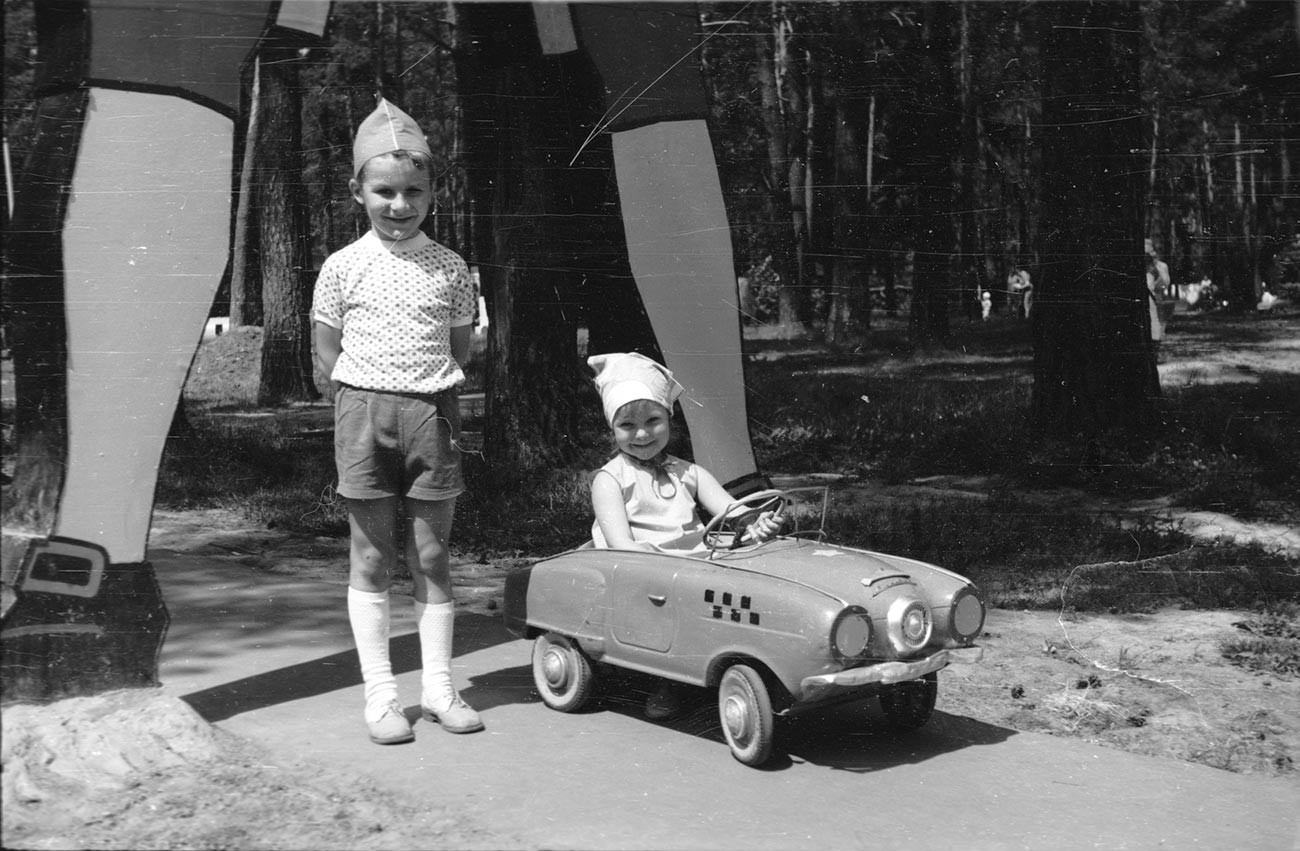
270 659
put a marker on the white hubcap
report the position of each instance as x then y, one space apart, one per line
735 712
555 668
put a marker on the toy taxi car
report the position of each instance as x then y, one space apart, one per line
775 627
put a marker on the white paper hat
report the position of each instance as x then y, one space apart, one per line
623 377
385 130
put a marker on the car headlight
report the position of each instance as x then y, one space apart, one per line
909 624
967 615
851 634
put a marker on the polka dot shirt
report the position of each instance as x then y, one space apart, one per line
396 307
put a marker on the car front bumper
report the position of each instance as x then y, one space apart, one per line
885 673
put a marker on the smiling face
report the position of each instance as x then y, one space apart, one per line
396 193
641 429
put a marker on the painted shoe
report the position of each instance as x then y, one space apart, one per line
452 714
391 727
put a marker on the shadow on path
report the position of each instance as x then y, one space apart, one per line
336 671
850 736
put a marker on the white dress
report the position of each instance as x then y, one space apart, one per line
660 502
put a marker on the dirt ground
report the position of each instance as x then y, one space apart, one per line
95 773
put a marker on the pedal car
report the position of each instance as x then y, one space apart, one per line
775 627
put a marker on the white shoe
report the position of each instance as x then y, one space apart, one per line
391 727
454 714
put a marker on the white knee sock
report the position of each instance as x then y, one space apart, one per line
435 621
369 614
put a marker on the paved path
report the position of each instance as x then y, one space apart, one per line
270 659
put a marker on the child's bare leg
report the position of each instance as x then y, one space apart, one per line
427 552
372 557
429 558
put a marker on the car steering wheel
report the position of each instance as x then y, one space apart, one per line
739 514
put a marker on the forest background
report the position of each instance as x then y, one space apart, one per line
884 164
878 160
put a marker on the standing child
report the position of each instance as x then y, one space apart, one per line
392 316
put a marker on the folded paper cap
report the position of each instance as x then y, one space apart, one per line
628 377
385 130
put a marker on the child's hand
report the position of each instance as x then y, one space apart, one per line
766 526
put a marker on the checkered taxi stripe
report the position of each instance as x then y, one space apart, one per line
724 606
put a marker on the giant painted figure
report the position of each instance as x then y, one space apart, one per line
121 226
117 245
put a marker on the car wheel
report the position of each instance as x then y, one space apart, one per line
563 675
746 714
909 705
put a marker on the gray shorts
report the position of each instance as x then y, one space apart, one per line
397 444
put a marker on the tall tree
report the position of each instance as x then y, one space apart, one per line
969 218
286 372
783 132
1094 366
854 110
517 146
928 135
245 260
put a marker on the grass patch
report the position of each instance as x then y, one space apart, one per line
1025 556
889 427
260 468
892 413
538 513
963 410
1270 642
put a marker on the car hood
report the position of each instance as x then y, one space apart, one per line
841 572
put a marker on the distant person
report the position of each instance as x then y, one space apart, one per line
644 498
1158 287
1018 283
986 305
1158 280
393 313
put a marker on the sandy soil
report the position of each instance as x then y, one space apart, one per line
1155 684
91 773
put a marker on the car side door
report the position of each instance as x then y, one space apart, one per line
643 612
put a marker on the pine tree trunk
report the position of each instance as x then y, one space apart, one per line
781 242
933 136
514 121
286 373
246 266
853 244
1094 363
965 181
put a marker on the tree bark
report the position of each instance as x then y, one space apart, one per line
246 266
517 148
932 135
966 180
770 58
1094 364
286 372
245 260
851 240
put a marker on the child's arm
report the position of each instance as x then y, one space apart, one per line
611 514
329 345
715 499
460 335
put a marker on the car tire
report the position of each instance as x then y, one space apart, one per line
562 673
909 705
745 710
